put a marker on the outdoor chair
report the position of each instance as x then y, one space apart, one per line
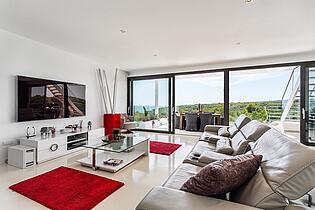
205 119
191 121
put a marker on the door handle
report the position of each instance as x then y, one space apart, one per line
303 114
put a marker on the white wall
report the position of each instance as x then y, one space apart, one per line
21 56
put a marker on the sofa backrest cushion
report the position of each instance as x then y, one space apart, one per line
224 146
239 143
257 192
254 130
232 130
287 172
250 132
241 121
224 131
288 165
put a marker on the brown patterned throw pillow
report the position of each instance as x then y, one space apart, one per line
223 176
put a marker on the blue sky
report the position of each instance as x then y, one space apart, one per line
250 85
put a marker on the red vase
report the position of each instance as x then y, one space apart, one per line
111 121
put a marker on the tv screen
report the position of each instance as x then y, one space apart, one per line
40 99
76 100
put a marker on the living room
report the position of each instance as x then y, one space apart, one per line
148 102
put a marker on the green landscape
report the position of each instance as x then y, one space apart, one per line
255 110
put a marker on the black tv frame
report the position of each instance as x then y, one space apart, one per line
66 96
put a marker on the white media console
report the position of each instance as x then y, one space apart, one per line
51 147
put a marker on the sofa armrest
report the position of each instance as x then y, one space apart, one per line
213 128
162 198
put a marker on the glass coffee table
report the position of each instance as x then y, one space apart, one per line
127 150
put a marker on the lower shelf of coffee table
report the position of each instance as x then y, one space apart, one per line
101 156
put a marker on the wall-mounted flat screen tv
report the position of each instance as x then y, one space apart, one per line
42 99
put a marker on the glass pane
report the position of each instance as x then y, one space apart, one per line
269 95
150 104
311 105
117 146
196 94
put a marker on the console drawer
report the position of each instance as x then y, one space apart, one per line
46 144
53 152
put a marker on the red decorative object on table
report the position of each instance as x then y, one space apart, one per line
111 121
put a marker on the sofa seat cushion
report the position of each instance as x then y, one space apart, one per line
209 137
181 175
202 146
195 162
163 198
212 156
223 176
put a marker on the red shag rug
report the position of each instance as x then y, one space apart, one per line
163 148
67 189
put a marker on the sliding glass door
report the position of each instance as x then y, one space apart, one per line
199 100
308 105
267 95
281 95
151 105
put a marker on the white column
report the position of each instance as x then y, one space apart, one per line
156 92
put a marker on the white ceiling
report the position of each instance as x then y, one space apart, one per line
179 32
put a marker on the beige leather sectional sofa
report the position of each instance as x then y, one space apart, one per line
286 175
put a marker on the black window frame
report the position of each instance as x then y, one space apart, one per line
303 66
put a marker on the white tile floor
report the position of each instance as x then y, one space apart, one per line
139 177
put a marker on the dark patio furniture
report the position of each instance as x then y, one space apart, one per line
205 119
177 121
191 121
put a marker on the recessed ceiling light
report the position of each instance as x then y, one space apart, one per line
248 1
122 31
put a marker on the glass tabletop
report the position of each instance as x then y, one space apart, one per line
117 146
